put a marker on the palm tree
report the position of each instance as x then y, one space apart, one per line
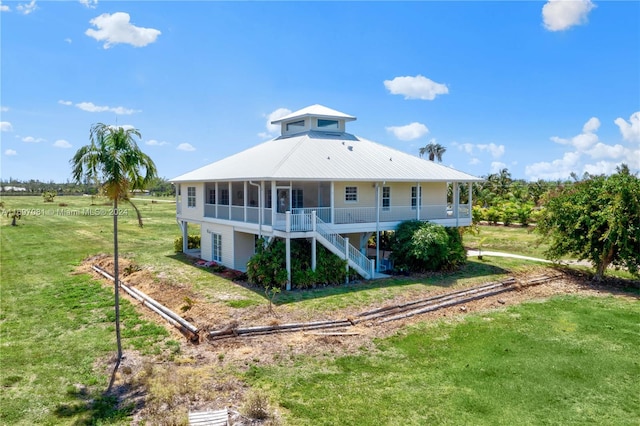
114 158
435 151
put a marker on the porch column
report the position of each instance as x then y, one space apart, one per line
469 200
288 248
274 204
217 199
230 187
332 214
244 200
313 240
456 202
185 236
377 227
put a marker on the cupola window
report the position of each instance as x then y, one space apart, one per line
327 124
295 126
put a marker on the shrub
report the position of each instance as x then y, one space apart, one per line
192 243
477 214
424 246
256 406
492 214
267 268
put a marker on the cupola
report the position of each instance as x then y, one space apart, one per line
313 118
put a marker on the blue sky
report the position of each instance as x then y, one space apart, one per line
543 89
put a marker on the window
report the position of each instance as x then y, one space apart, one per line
415 199
216 247
191 196
351 194
295 126
386 198
328 124
297 199
212 196
224 197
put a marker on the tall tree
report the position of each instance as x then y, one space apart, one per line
435 151
597 219
114 158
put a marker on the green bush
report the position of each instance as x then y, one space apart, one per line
493 215
192 243
424 246
477 214
267 268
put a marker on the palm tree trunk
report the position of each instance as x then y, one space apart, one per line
116 273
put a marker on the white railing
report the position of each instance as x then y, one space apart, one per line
363 264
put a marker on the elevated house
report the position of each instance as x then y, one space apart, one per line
319 182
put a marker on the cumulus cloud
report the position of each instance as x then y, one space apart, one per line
586 154
31 139
418 87
10 152
409 132
5 126
91 107
61 143
560 15
185 147
27 8
117 28
630 131
496 166
4 8
153 142
91 4
273 129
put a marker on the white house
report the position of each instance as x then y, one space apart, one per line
319 182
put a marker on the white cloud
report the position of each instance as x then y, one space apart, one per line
584 140
68 40
4 8
91 107
273 129
27 8
185 147
418 87
630 131
496 166
588 154
153 142
116 28
63 102
496 151
10 152
31 139
560 15
4 109
474 161
91 4
409 132
61 143
5 126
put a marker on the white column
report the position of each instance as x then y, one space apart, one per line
333 204
288 248
346 257
456 202
313 241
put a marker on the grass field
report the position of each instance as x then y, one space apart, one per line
572 360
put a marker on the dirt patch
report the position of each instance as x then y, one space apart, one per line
216 363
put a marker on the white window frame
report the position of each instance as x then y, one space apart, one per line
191 196
386 198
328 124
416 200
350 194
212 196
216 247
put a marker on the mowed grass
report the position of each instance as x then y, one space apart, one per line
57 331
56 326
568 361
509 239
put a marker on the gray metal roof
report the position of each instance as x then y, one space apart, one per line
325 156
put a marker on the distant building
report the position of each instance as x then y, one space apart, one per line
318 182
13 189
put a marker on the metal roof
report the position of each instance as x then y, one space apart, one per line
329 156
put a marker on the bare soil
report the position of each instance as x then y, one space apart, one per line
217 360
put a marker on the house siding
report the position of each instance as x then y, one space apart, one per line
244 248
192 213
226 232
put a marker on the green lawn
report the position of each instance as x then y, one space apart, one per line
56 330
568 361
509 239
